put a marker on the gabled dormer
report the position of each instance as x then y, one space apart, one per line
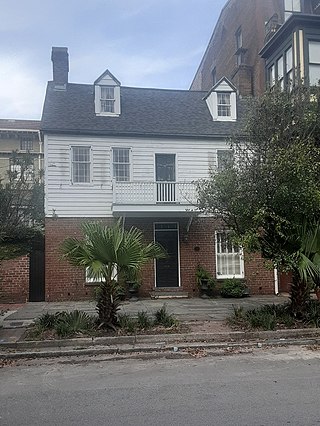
222 101
107 95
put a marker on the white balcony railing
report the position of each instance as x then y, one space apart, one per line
153 193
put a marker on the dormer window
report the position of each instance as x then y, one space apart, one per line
222 101
107 95
107 99
224 104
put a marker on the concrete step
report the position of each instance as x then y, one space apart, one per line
164 294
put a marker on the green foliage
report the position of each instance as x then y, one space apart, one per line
48 321
127 323
109 252
143 320
21 208
202 275
233 288
162 317
270 317
270 192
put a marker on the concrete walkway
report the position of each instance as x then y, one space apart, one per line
183 309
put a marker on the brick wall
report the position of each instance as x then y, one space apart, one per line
66 282
251 16
14 280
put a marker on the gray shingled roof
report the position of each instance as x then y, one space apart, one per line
8 124
157 112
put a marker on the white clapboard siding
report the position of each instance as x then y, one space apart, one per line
64 199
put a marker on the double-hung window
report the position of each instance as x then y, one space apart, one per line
314 62
121 164
289 67
26 145
229 258
224 104
224 159
80 164
107 99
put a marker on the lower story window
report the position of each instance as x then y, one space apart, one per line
229 257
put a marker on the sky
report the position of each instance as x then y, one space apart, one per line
144 43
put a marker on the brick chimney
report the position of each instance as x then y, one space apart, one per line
60 62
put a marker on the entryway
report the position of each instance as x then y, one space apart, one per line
167 270
36 272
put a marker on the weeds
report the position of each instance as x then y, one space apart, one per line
162 317
143 320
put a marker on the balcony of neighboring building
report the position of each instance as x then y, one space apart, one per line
156 198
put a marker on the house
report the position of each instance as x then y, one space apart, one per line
135 153
20 282
243 29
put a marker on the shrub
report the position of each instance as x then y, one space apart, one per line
48 321
74 322
127 323
233 288
312 316
162 317
143 320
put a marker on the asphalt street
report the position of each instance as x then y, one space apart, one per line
278 386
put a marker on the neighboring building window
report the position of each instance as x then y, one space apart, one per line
121 164
280 72
291 6
16 172
289 67
26 145
81 164
239 47
272 76
314 62
107 99
224 158
229 258
214 76
224 104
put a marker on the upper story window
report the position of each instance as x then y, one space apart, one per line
314 62
272 76
224 158
224 104
26 145
280 72
107 95
107 99
214 76
80 164
121 164
291 6
229 257
239 47
289 67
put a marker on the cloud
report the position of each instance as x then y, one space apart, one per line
21 92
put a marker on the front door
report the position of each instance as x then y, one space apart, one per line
167 270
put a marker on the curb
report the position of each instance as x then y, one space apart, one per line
157 344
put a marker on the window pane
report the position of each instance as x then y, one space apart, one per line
121 164
280 68
314 74
228 257
165 167
107 105
26 145
107 92
80 164
314 52
224 158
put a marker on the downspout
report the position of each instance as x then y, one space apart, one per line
276 281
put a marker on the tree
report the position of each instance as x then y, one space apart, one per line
271 188
21 207
108 252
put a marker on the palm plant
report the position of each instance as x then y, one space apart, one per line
107 252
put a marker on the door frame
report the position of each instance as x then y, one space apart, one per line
178 260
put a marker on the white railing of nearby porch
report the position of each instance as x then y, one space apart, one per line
150 193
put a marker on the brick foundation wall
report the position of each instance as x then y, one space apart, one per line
14 280
66 282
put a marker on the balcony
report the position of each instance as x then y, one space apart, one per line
156 198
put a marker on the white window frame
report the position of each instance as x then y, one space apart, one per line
89 280
98 98
120 163
73 182
230 255
105 98
224 105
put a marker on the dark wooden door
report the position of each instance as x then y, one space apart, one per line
167 270
36 272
